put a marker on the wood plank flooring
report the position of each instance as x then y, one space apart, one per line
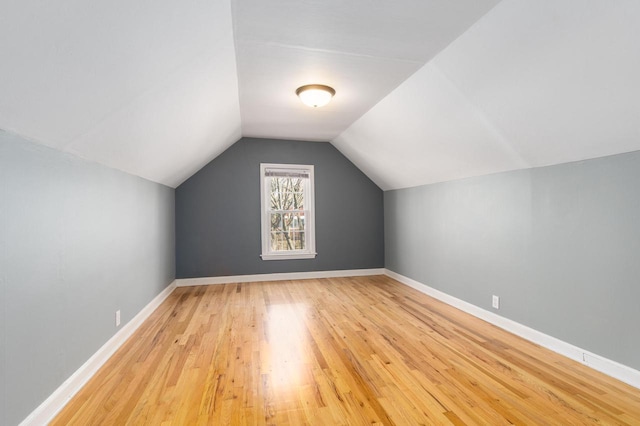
344 351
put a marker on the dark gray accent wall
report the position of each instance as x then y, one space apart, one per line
218 212
77 242
560 245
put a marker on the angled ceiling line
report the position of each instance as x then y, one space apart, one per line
329 51
484 118
162 84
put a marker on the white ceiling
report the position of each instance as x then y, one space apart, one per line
427 90
530 84
148 87
362 49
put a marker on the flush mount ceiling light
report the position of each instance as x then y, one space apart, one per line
315 95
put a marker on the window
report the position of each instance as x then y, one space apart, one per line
288 225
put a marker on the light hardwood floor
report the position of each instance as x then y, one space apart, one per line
364 350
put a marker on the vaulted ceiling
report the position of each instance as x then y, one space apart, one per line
427 90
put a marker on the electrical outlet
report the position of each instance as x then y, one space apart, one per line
118 318
495 302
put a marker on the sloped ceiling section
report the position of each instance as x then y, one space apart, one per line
530 84
427 90
147 87
363 49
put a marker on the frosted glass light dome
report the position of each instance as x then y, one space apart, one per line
315 95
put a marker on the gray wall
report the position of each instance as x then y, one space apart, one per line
560 245
77 242
218 212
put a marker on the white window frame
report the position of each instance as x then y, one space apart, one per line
310 224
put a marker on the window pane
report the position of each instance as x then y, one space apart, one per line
275 219
285 241
287 222
286 194
287 216
287 231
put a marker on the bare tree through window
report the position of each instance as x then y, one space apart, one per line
287 198
287 213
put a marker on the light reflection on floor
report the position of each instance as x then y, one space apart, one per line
287 337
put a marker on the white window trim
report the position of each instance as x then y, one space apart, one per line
310 224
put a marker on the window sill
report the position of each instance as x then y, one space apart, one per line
288 256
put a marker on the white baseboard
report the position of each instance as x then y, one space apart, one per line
184 282
611 368
61 396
